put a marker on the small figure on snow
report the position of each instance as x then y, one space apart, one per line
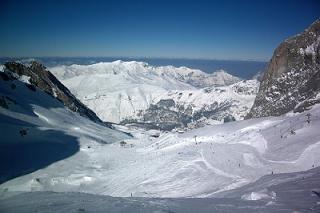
308 118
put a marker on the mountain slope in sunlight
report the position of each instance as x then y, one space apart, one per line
294 192
199 163
126 92
37 129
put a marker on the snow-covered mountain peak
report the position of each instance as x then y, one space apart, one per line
224 78
223 74
123 90
221 71
142 70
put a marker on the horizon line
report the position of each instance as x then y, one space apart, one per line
137 57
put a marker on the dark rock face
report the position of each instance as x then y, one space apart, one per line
292 76
41 78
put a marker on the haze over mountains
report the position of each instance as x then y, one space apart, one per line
180 134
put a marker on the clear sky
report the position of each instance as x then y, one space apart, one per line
245 30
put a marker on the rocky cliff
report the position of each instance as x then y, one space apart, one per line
292 78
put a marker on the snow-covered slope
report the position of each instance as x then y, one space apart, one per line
124 90
251 164
200 163
36 75
143 72
240 95
37 130
293 192
188 109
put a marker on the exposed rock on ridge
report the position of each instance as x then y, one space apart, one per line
292 78
38 76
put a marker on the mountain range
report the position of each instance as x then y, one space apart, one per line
59 151
158 97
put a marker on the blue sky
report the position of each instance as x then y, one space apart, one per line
244 30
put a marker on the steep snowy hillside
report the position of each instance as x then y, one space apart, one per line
125 91
37 130
205 162
36 75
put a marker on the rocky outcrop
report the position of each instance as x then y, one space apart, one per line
38 77
292 78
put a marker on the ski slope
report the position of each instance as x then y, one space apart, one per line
200 163
291 192
60 158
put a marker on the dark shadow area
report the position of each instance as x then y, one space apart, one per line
22 157
12 121
24 147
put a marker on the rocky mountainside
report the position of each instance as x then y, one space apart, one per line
35 76
292 79
157 97
188 109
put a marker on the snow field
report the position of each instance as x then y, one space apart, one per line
200 163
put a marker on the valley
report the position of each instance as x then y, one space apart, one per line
126 136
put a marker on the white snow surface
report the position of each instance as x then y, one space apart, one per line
265 164
51 129
241 94
25 79
204 162
287 192
120 90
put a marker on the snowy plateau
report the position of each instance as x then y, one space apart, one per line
259 165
